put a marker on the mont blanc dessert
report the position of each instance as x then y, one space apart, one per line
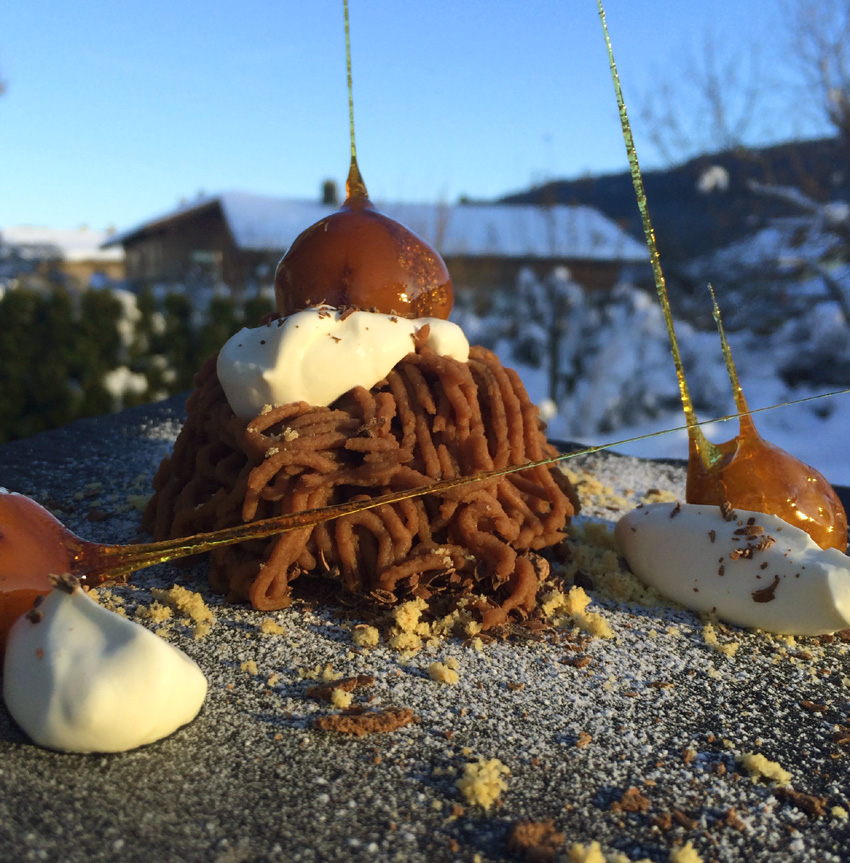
359 386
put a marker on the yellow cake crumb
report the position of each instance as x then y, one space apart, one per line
138 502
586 853
271 627
728 648
341 699
686 854
251 667
408 642
185 601
444 672
483 781
839 813
108 599
329 674
202 629
760 768
408 629
592 853
365 635
156 612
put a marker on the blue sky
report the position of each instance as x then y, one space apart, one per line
115 112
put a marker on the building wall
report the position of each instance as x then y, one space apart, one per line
200 246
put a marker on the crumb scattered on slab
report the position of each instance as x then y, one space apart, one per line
375 722
483 781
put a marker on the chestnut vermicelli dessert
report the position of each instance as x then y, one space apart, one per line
332 403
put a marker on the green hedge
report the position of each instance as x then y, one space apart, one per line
57 347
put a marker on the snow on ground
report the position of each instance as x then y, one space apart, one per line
617 378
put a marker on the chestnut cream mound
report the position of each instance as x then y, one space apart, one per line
430 417
332 403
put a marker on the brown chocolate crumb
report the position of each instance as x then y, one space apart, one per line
324 691
375 722
584 739
813 707
631 801
727 512
34 616
842 736
815 807
750 529
347 312
712 535
95 514
684 820
766 594
664 821
536 841
676 510
731 819
65 582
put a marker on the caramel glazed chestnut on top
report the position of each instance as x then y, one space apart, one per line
427 416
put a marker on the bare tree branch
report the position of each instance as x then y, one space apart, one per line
712 106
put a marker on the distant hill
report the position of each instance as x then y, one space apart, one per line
690 222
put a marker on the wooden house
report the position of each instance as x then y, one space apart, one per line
237 239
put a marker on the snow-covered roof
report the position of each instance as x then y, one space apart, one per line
261 222
80 244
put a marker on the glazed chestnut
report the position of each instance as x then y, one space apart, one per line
360 257
751 473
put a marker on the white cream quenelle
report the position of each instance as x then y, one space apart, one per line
320 353
80 678
750 569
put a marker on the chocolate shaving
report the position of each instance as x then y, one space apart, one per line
536 841
375 722
815 807
631 801
750 530
324 691
65 582
766 594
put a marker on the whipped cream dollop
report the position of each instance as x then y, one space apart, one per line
320 353
750 569
80 678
